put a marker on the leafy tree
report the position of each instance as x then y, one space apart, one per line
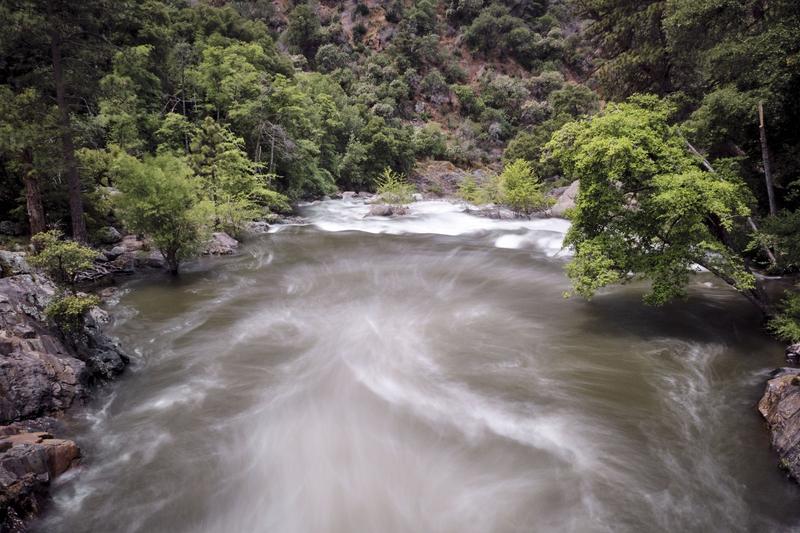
520 188
645 209
303 31
161 198
786 322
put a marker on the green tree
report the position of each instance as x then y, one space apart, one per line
520 188
60 258
645 208
161 198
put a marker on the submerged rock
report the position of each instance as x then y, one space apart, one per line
780 406
221 244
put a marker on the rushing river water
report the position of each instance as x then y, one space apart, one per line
424 374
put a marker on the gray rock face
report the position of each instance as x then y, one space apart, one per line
566 200
41 371
13 263
221 244
780 406
384 210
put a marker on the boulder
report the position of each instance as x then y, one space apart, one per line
7 227
221 244
780 407
417 197
13 263
348 195
566 200
384 210
258 227
109 235
115 252
29 462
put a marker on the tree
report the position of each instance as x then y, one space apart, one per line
25 131
161 199
646 210
227 176
520 188
303 31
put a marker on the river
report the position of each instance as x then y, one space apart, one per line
423 374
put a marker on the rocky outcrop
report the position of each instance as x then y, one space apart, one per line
565 199
42 372
29 461
13 263
780 406
221 244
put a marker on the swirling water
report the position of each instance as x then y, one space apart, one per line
424 374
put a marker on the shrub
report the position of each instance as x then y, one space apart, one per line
393 188
67 311
520 188
471 191
61 259
430 142
786 323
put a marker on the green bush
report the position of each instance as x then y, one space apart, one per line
786 323
67 311
471 191
393 188
520 188
61 259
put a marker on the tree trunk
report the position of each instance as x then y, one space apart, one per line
67 144
33 195
762 129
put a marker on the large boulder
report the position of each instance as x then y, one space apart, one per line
385 210
29 462
13 263
566 200
221 244
780 406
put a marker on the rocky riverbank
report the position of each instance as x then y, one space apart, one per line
780 407
43 372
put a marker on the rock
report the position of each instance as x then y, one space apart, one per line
348 195
132 244
780 406
417 197
115 252
366 195
384 210
793 353
258 227
221 244
492 211
29 462
109 235
145 259
41 370
566 200
7 227
13 263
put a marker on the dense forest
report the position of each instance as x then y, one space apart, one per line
680 118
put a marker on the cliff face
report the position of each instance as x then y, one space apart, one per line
780 406
42 373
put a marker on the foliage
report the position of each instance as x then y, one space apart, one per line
161 199
520 188
476 193
645 209
60 258
393 188
68 310
786 323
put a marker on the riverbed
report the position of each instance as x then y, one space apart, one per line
424 374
